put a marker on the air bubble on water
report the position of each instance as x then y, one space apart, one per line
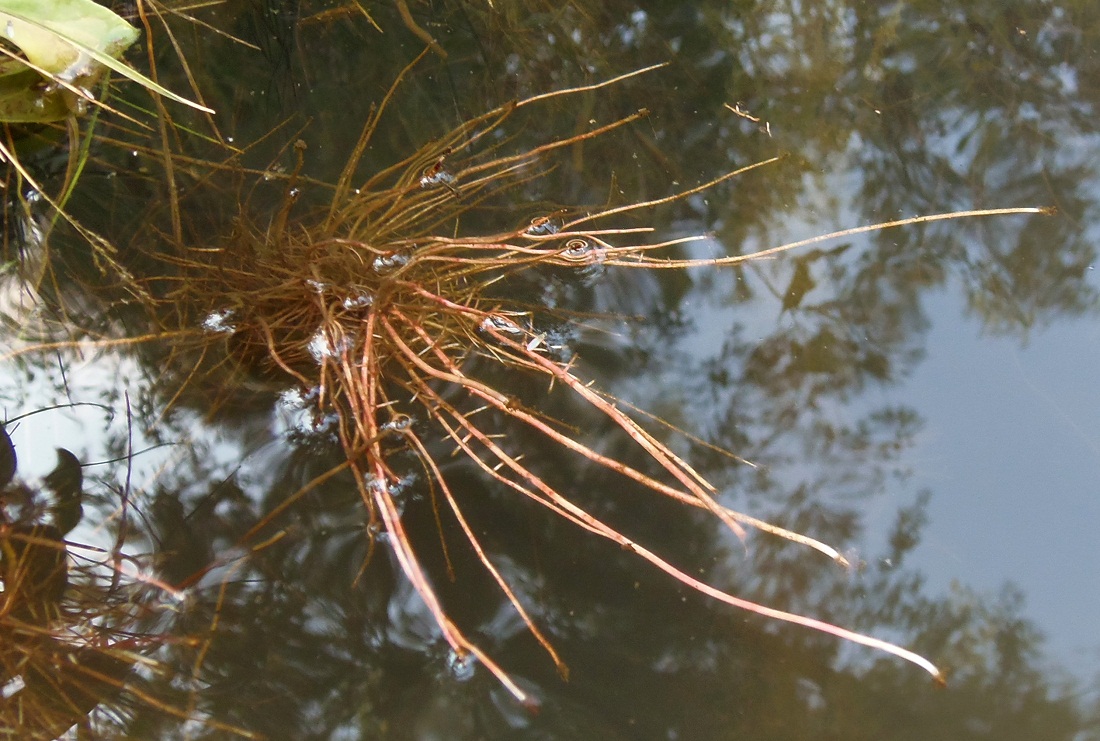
319 346
401 423
441 177
292 398
322 346
376 485
16 684
461 666
402 486
358 302
383 263
542 226
853 561
501 324
577 248
218 322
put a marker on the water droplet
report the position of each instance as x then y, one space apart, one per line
437 177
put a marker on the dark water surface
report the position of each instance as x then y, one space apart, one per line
925 399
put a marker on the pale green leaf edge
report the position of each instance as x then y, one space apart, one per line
108 61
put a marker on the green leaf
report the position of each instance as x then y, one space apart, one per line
64 37
57 36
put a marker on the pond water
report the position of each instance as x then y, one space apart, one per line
921 398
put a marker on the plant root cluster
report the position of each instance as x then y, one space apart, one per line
378 313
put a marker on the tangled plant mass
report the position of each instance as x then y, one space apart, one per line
370 307
379 314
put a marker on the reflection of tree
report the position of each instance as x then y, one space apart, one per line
307 647
932 108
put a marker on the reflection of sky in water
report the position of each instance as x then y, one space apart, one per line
1009 445
1010 439
1011 451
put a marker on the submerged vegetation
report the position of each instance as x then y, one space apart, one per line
401 308
384 313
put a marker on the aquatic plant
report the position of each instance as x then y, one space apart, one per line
56 60
386 311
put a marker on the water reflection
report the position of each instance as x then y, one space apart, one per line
885 110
